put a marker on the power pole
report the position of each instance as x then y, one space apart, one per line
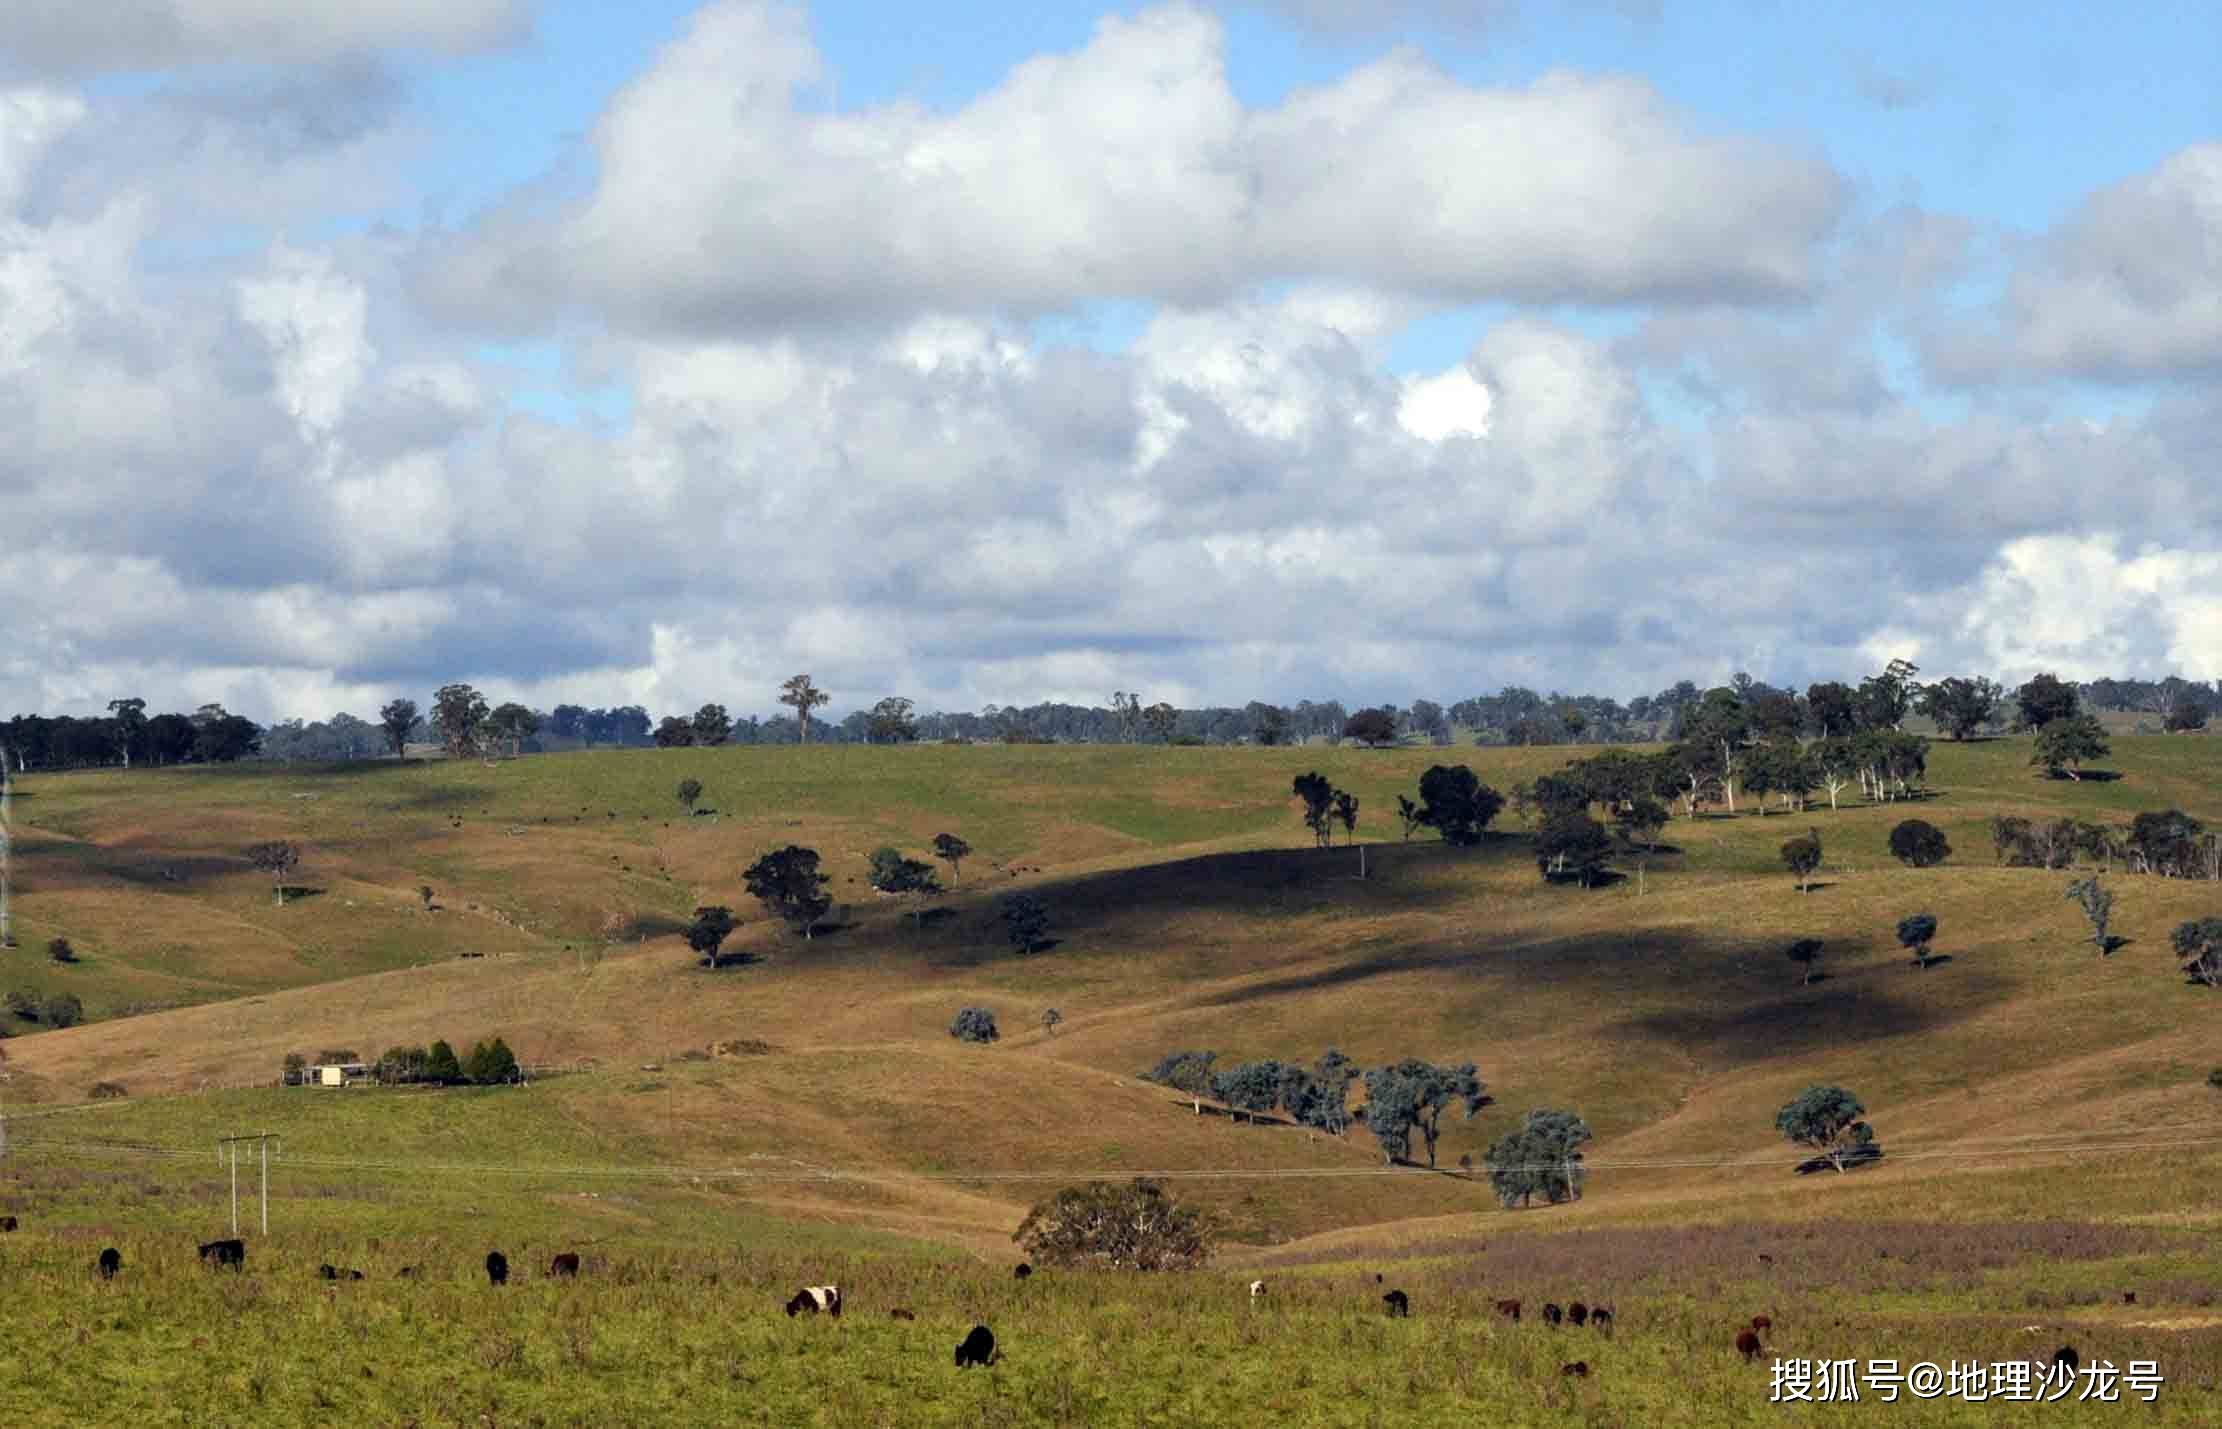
263 1140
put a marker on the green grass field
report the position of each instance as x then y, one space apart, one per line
2051 1140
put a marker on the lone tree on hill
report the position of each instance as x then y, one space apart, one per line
788 884
1542 1158
803 697
1025 921
1138 1226
974 1024
1917 843
1319 805
1572 843
1915 932
1372 728
1457 805
1806 951
707 934
2199 942
2098 906
277 858
459 712
396 720
1827 1119
2063 744
690 790
951 850
1412 1096
1802 856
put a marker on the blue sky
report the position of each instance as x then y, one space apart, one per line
1590 344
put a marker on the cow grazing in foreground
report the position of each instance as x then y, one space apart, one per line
1510 1309
231 1252
899 1313
1021 1271
1579 1369
1747 1344
2129 1297
7 1223
1762 1323
1552 1314
565 1265
1577 1314
816 1300
410 1272
1398 1303
1601 1318
2066 1355
978 1348
1257 1290
111 1261
326 1272
497 1268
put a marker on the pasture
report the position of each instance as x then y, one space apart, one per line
2050 1139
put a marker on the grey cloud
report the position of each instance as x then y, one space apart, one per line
72 37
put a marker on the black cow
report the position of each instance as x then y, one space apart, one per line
565 1265
1601 1318
220 1253
1577 1314
1552 1314
354 1275
497 1267
409 1272
111 1261
1021 1271
326 1272
2066 1355
7 1223
978 1348
1579 1369
899 1313
1398 1303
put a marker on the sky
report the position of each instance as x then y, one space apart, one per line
654 353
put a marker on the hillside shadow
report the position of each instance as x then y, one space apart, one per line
652 925
2083 776
132 863
1832 1012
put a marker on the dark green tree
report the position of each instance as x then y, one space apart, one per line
1371 728
787 882
1915 932
707 934
278 859
1827 1119
491 1064
1806 952
1917 843
1249 1087
2199 942
951 850
2063 744
1572 845
1319 805
1802 856
1188 1072
1541 1158
2186 717
1961 706
62 1009
1411 1096
690 790
440 1065
974 1024
712 726
396 720
675 733
459 713
1025 921
2045 699
891 722
1408 814
1456 804
514 723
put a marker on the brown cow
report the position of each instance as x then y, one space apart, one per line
1762 1323
565 1265
1747 1345
1579 1369
1510 1309
1577 1314
899 1313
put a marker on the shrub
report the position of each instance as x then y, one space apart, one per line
1917 843
974 1024
23 1004
107 1091
294 1065
1802 855
1572 845
60 951
401 1065
62 1010
1137 1226
441 1066
1914 933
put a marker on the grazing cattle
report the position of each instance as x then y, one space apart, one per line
1399 1304
1600 1318
1762 1323
1021 1271
2129 1297
1257 1290
978 1348
1552 1314
409 1272
565 1265
1577 1314
899 1313
7 1223
816 1299
226 1252
111 1261
2066 1355
354 1275
1747 1345
497 1267
1510 1309
1579 1369
326 1272
1766 1259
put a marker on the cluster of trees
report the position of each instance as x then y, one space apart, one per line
1540 1157
791 886
129 737
1403 1100
489 1064
2165 843
55 1009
